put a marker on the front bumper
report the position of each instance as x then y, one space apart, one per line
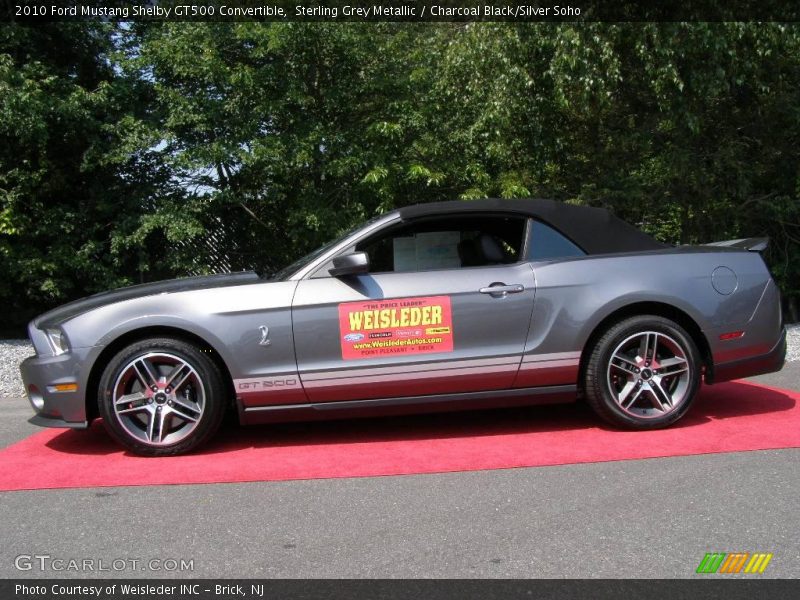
756 365
54 408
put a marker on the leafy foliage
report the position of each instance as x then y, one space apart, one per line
124 147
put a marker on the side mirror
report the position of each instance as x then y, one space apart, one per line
350 264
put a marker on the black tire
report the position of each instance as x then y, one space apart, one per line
190 414
605 384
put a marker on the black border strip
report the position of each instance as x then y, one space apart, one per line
41 11
413 589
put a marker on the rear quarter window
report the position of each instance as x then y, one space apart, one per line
546 244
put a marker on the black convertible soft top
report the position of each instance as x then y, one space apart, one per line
595 230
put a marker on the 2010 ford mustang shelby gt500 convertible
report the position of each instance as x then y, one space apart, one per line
431 307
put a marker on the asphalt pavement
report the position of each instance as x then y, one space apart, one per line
642 518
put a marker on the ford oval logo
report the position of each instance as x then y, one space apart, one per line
354 337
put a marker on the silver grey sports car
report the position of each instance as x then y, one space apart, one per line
431 307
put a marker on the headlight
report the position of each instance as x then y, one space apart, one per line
58 341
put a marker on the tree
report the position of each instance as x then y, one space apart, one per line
132 152
687 129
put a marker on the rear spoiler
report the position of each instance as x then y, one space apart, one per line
757 244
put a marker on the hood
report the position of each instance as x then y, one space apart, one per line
73 309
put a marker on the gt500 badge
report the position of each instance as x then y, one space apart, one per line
386 324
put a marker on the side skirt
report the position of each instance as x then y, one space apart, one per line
348 409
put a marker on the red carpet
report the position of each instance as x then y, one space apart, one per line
731 417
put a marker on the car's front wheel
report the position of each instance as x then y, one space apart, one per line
161 396
643 373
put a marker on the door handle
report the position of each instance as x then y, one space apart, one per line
501 290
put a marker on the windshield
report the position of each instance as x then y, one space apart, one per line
308 258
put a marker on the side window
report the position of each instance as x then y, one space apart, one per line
446 243
547 243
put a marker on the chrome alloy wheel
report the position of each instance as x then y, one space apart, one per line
649 375
159 398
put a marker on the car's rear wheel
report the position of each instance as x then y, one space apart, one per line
161 397
643 373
